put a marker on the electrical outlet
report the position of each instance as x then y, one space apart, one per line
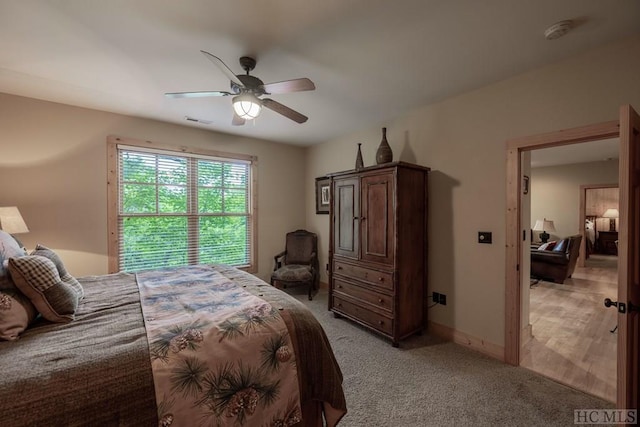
436 297
439 298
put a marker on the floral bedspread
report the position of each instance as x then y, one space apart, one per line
220 356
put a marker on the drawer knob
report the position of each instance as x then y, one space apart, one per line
339 286
380 322
381 279
380 300
339 268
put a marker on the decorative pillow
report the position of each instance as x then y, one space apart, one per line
547 246
16 313
37 277
9 248
62 271
561 246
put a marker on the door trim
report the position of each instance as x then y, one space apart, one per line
628 391
513 243
582 217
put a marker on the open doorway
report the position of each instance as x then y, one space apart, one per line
627 305
599 214
568 334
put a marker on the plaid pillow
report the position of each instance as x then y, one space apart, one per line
37 277
62 271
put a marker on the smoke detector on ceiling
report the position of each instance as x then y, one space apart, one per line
558 29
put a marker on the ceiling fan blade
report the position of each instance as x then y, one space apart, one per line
295 85
196 94
284 110
237 120
223 67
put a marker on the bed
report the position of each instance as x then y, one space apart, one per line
100 368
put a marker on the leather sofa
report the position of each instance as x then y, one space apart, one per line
557 264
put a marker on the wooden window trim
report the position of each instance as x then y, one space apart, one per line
112 192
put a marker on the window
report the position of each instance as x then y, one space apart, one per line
178 207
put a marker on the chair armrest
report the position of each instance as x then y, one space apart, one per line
278 264
550 257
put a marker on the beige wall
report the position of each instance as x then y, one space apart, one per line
53 167
555 193
463 140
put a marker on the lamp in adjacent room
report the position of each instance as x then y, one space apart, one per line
544 225
247 106
612 214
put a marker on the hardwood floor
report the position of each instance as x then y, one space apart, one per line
572 342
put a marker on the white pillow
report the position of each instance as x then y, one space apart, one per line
9 248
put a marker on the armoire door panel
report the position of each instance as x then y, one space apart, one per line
347 211
377 224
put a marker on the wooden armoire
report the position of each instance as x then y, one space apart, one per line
378 248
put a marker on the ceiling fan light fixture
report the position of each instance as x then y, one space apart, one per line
247 106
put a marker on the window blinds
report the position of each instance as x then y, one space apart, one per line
177 209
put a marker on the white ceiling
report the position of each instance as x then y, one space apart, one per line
371 60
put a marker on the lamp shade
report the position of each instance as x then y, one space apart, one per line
247 106
544 225
612 214
11 221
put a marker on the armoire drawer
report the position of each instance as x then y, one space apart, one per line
375 277
375 320
376 299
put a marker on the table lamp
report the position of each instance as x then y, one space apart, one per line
11 222
612 214
544 225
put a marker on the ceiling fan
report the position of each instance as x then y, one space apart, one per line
247 91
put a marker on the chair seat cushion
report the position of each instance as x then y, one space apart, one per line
293 273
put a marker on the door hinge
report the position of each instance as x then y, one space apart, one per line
517 267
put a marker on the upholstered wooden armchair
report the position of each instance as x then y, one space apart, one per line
298 263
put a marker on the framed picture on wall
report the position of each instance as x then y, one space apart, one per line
323 194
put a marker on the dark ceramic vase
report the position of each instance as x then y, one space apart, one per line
359 162
384 153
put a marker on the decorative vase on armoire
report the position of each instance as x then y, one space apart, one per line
384 153
359 162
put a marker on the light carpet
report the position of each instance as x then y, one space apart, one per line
431 382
